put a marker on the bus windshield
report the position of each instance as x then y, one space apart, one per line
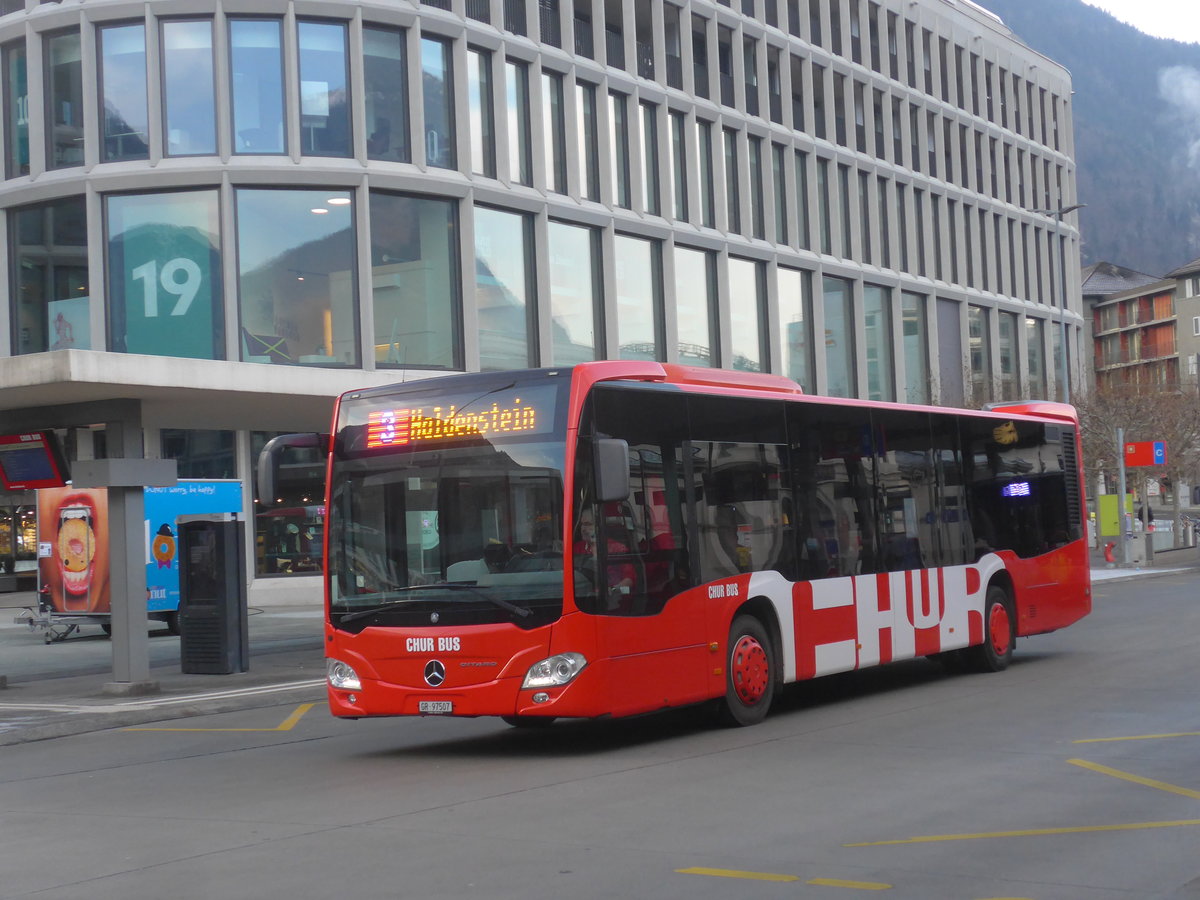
447 512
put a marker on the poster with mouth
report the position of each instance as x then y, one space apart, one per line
73 529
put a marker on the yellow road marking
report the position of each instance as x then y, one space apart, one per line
772 876
1138 737
286 725
856 885
735 873
1031 832
1136 779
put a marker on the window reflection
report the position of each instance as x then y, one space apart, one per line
324 81
695 302
414 277
296 286
503 292
257 84
574 292
64 101
746 298
123 76
639 298
438 92
386 90
50 258
840 366
188 88
877 335
795 326
16 110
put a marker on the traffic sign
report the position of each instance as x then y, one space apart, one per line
1145 453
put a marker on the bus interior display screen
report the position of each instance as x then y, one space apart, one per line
512 412
31 460
1015 489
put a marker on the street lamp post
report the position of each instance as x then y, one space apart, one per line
1062 275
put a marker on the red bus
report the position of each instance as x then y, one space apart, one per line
615 538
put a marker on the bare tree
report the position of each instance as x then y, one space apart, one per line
1169 413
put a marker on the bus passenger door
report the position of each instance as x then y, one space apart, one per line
651 627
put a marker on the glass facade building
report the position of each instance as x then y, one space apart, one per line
231 216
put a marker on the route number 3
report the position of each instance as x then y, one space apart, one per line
184 288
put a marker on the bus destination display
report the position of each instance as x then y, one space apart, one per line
500 414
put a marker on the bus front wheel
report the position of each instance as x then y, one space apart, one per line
749 673
999 633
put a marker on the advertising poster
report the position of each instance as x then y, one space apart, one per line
73 549
164 506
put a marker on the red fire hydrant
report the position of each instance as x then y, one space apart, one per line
1108 552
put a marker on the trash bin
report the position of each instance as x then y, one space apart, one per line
213 626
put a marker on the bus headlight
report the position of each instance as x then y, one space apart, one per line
554 671
341 676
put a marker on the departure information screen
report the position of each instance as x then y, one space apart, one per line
28 461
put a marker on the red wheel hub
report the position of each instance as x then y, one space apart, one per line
750 669
1000 628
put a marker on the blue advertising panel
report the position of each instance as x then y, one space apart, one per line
164 506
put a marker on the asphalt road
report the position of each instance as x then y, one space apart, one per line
902 782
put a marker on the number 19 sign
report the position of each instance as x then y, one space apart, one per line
162 272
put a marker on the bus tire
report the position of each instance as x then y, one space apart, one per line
749 673
999 633
528 722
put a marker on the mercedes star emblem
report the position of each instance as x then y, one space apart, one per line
435 673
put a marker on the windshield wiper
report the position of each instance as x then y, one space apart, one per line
447 586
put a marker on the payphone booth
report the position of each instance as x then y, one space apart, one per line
213 625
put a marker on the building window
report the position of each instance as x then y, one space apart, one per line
823 223
288 527
324 88
414 277
733 194
746 302
779 183
877 338
481 111
504 289
1006 334
64 101
49 264
16 110
758 215
795 325
575 293
386 94
296 285
704 148
841 379
1195 326
189 105
980 346
256 60
554 131
916 347
200 454
164 274
695 305
679 173
520 161
437 87
1035 354
588 133
124 117
639 297
650 180
618 106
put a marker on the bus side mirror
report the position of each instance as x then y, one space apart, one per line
612 470
267 470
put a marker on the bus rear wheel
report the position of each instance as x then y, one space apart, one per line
999 633
749 673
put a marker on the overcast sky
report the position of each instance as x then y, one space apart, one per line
1178 19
